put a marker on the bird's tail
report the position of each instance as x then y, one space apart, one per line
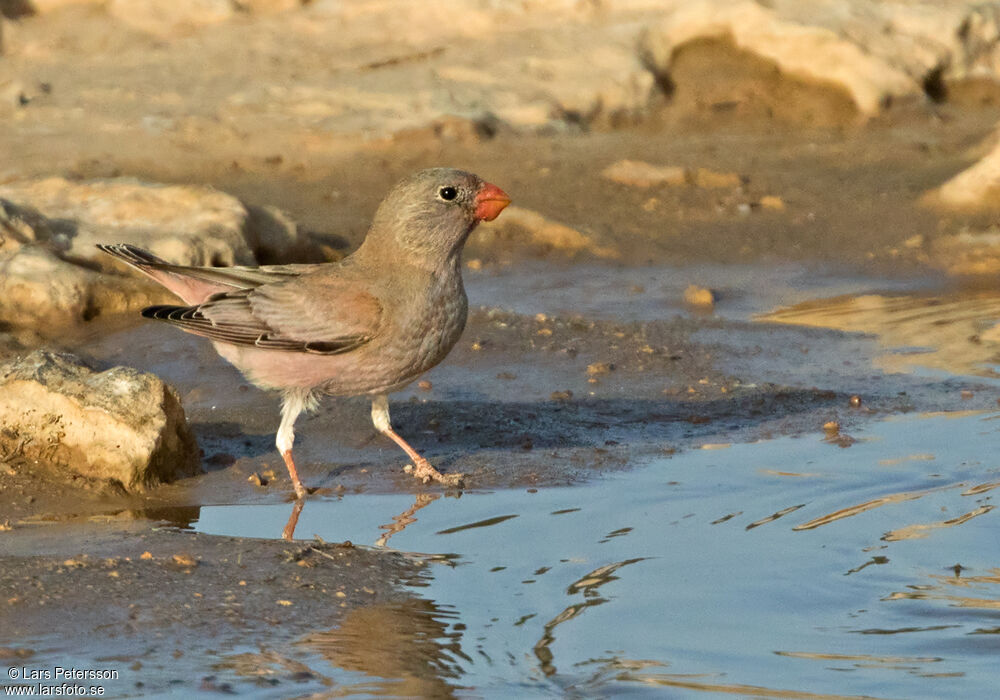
136 257
185 282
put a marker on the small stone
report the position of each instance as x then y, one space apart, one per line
474 264
695 295
772 202
599 368
544 331
285 603
340 594
854 401
424 385
831 427
711 179
640 174
966 394
561 395
185 559
146 555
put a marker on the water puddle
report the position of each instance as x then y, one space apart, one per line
656 292
792 568
957 333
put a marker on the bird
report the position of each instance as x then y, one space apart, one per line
366 325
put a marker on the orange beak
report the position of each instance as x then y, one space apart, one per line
490 201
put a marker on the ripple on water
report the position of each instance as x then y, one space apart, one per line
791 568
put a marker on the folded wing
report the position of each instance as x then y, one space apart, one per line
315 313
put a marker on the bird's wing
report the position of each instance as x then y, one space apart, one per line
318 314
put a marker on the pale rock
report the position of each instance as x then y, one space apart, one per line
185 224
640 174
167 18
50 267
40 7
42 291
698 296
120 424
976 187
267 7
967 254
530 229
874 51
773 202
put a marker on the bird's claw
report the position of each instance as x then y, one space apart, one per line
423 470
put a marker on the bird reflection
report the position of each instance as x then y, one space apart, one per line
411 646
398 524
293 520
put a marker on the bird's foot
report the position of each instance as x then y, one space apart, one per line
423 470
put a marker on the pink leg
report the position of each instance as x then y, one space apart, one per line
300 490
291 405
422 469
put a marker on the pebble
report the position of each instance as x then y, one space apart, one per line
772 202
185 559
699 296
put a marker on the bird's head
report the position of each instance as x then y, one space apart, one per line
429 215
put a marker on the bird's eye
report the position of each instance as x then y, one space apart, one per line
447 193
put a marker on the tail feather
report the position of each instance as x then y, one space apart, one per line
185 282
137 257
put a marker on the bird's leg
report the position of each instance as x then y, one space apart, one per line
292 404
422 469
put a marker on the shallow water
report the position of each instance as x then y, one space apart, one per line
790 568
654 292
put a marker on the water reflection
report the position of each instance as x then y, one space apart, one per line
589 586
410 648
956 333
875 576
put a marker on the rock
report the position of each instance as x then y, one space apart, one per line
640 174
40 290
873 52
531 229
50 268
975 188
120 424
165 18
772 202
967 254
703 297
712 179
267 7
186 224
39 7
